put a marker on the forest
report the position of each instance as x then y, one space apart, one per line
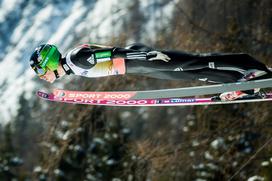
56 141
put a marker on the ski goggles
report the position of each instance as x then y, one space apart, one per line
39 70
48 58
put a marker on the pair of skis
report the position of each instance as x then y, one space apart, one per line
164 97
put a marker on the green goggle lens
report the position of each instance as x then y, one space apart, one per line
49 57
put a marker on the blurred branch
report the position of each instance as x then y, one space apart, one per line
251 158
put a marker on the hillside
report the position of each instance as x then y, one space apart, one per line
55 141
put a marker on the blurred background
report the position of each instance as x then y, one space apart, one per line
54 141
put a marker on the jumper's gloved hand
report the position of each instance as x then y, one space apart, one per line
155 55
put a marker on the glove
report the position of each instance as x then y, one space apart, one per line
155 55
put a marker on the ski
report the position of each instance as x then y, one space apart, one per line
165 93
147 102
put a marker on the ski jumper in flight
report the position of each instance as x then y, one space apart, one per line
91 60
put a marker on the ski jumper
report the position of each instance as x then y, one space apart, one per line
93 61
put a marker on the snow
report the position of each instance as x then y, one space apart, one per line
125 115
217 143
90 177
200 166
116 179
102 22
37 169
256 178
191 123
66 27
200 179
185 129
208 155
212 166
61 23
157 17
16 77
195 143
7 6
265 163
192 154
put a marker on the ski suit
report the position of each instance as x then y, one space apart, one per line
93 61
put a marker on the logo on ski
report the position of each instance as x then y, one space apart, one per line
72 95
182 100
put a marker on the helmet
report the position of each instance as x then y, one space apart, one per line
45 57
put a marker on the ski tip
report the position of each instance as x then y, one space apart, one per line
43 95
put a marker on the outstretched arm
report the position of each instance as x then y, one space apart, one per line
96 62
102 53
131 54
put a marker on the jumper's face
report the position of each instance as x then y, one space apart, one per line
49 76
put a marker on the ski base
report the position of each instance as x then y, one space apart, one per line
61 97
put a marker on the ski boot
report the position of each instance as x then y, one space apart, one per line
240 95
254 93
234 95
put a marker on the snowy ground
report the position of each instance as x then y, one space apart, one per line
25 24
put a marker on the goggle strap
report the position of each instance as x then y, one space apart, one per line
56 74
